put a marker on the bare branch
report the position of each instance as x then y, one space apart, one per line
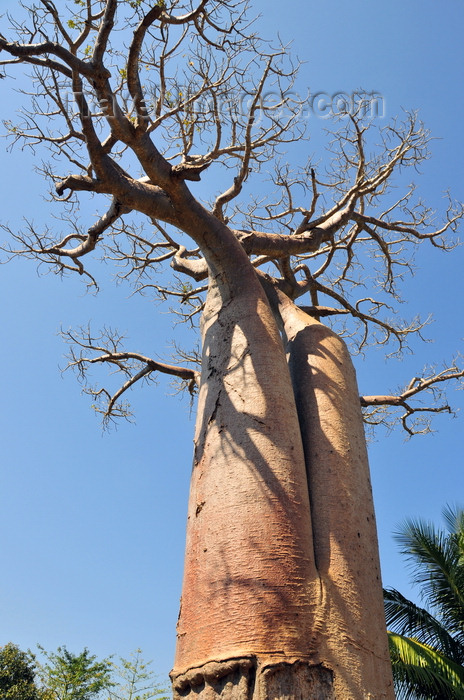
190 94
133 78
197 269
104 32
134 365
414 417
183 19
31 53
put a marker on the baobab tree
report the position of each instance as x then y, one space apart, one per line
145 104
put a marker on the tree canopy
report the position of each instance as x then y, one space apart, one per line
62 675
17 674
193 93
68 676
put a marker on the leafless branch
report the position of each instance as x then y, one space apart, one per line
188 99
413 415
104 350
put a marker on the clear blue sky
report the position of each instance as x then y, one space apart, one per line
92 524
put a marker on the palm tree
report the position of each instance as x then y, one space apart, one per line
427 645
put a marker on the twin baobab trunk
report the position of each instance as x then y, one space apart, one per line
353 640
282 595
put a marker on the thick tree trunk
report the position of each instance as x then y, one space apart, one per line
255 614
354 641
249 568
247 679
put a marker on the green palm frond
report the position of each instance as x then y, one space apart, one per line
454 518
405 618
427 645
436 559
423 673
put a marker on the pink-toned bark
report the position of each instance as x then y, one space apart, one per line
262 597
249 567
353 642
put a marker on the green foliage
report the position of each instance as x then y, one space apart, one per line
427 645
423 672
17 674
68 676
136 680
8 124
135 3
75 23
